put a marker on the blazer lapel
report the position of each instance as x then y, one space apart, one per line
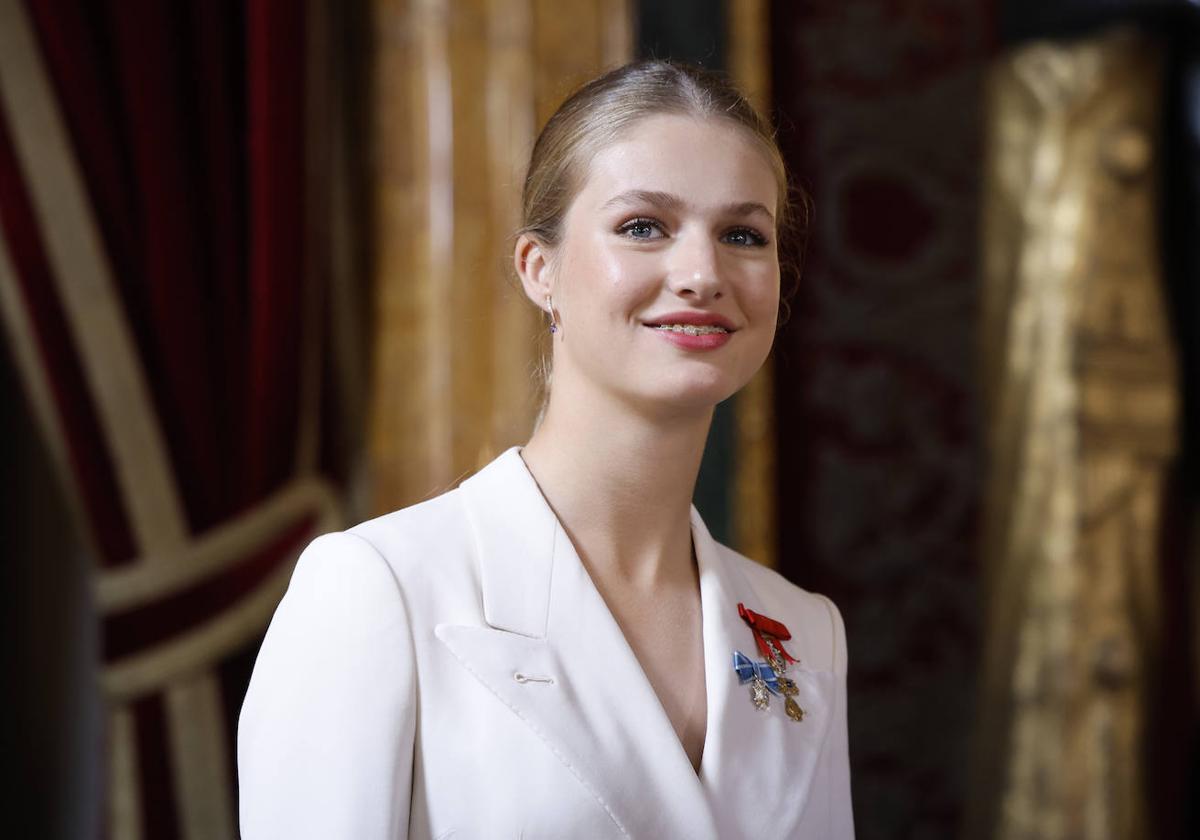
758 766
547 621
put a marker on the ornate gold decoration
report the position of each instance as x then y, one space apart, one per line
1080 377
789 689
787 686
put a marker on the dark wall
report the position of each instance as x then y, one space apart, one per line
51 729
879 108
683 30
693 31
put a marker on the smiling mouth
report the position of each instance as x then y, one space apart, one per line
689 329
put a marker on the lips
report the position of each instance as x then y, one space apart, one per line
692 331
695 319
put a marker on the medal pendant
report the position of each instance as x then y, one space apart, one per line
758 694
768 677
788 688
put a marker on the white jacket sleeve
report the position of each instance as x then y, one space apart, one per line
325 738
843 811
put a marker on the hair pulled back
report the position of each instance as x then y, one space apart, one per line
598 113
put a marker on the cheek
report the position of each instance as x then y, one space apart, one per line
625 271
614 271
612 280
761 293
591 265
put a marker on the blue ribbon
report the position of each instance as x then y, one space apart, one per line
746 670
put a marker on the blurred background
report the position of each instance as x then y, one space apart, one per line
255 286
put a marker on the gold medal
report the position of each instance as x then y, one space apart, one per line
789 690
787 686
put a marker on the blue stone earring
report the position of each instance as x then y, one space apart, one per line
550 309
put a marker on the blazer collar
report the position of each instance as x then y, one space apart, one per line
515 531
601 716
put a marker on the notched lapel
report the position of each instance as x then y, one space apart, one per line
759 765
600 717
597 721
514 534
524 675
496 657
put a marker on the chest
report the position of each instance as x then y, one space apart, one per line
576 747
666 636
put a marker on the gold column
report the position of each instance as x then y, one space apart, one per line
461 89
1082 419
754 409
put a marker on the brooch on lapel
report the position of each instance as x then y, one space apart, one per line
770 676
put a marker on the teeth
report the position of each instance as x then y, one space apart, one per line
691 329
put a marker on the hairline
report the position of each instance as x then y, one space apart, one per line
579 168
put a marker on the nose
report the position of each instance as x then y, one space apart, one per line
695 273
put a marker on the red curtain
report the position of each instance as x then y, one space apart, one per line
187 120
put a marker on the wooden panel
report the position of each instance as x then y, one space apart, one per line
461 89
399 410
512 124
754 498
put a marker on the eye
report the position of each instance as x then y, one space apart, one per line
641 228
746 238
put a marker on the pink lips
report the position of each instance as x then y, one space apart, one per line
709 341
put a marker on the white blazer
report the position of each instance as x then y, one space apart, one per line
450 671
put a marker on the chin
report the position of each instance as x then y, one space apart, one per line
689 397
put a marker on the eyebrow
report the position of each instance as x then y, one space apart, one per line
670 201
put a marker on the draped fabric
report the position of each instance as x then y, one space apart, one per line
162 303
1113 145
159 101
1082 377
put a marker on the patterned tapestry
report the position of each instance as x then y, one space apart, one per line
879 107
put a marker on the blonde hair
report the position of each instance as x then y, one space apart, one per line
597 114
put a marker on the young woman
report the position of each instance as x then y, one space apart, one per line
557 648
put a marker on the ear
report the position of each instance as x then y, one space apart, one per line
531 259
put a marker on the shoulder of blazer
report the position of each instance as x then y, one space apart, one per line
410 538
342 586
805 613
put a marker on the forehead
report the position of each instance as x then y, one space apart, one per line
707 162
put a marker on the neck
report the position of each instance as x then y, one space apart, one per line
621 484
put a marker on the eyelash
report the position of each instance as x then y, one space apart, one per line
637 223
757 240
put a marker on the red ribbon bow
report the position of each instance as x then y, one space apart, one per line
766 628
